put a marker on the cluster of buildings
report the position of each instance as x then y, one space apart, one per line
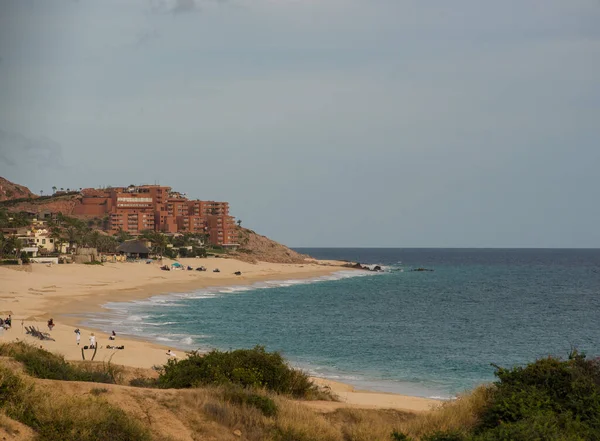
152 207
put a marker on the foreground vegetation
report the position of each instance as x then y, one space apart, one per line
550 399
248 368
40 363
247 394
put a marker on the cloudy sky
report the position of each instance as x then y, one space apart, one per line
468 123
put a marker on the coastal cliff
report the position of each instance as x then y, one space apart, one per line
255 247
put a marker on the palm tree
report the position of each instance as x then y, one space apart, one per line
2 242
159 242
122 235
11 245
72 237
94 239
106 244
84 235
147 235
53 189
41 192
239 222
62 189
56 236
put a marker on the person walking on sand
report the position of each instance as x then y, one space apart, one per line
170 353
92 341
77 336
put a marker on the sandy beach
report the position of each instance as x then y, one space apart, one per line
35 293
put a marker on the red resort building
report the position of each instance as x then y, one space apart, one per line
151 207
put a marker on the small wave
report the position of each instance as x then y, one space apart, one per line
159 324
164 339
187 340
137 318
342 377
234 289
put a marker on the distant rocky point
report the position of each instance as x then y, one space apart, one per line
10 191
357 265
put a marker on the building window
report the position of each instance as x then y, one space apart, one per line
43 241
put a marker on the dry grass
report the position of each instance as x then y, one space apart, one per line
13 430
368 424
459 415
296 422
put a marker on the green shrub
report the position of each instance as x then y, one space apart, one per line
25 257
244 367
444 436
399 436
542 426
14 394
547 399
98 421
9 262
144 382
43 364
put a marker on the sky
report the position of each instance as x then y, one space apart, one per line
365 123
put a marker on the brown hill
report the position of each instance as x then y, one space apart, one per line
10 191
53 204
254 247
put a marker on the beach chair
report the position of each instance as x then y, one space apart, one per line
44 335
33 332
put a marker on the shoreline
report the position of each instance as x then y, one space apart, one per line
65 293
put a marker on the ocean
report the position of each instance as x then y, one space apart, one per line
429 334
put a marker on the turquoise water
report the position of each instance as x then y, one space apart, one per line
420 333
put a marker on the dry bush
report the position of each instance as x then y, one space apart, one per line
460 415
206 411
296 422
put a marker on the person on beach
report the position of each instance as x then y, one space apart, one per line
50 324
77 336
92 341
170 353
113 336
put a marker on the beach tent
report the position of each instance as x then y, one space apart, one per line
177 265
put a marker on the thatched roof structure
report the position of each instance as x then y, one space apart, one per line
133 247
